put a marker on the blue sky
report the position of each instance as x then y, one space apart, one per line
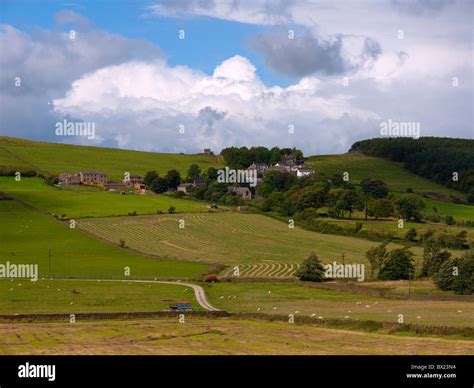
216 39
237 78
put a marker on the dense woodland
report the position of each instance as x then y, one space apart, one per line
241 158
434 158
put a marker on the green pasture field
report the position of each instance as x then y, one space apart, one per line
27 237
458 211
300 300
22 296
90 202
419 286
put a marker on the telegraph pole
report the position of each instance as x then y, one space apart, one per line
409 281
343 256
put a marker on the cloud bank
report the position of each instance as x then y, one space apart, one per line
141 103
348 74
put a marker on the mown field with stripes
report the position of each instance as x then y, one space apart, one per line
263 270
260 246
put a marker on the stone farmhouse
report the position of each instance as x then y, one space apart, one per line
93 178
100 178
83 178
67 179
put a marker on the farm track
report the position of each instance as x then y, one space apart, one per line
198 290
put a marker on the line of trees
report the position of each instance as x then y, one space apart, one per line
159 184
172 179
449 274
241 158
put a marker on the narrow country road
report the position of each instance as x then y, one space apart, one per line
198 290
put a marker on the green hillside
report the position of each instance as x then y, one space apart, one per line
27 237
229 238
393 174
57 158
79 202
458 211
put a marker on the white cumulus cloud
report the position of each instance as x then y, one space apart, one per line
143 104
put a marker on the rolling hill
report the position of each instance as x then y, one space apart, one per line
393 174
56 158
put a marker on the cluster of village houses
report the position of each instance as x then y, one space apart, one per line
288 163
100 178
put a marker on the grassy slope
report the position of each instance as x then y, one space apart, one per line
78 296
223 336
57 158
458 211
393 174
30 235
301 300
8 160
230 238
90 202
404 287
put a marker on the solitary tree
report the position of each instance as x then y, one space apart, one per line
372 189
376 255
411 234
311 270
398 265
463 283
444 279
